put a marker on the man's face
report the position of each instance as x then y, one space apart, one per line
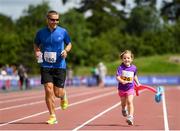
53 20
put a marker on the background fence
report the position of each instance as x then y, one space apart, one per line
12 82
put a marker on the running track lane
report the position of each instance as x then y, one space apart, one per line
97 110
173 107
29 115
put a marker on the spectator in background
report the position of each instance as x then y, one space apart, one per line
69 76
95 74
3 73
9 70
102 74
15 71
23 77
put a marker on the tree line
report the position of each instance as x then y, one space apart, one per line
99 32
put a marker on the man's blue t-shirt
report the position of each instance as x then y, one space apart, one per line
52 43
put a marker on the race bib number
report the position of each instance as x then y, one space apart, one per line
50 57
127 76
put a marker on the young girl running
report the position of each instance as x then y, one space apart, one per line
126 76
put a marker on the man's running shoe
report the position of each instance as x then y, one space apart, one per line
64 102
52 120
130 120
125 113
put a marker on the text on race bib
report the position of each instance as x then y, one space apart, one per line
50 57
127 75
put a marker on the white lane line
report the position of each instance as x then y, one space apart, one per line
35 96
18 95
20 99
95 117
73 104
22 105
166 125
98 115
38 102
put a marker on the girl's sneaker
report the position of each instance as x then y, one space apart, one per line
125 113
130 120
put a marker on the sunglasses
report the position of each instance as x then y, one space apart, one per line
53 20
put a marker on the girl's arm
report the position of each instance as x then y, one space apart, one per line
136 80
121 80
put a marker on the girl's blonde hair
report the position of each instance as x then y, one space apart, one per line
126 52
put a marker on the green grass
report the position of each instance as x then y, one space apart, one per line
161 65
152 65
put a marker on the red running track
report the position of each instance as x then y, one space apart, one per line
89 109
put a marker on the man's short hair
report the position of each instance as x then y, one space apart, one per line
52 12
